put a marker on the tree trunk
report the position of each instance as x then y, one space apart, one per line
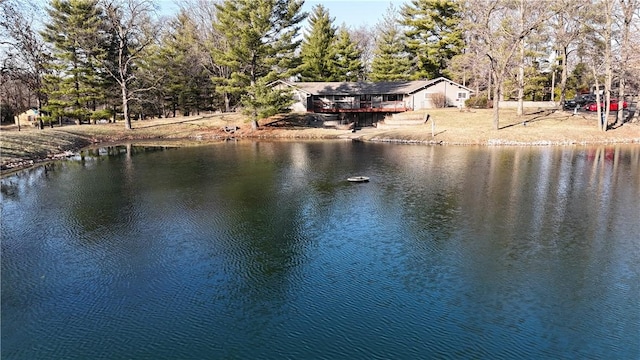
602 123
564 76
520 110
553 85
227 102
489 88
608 63
620 113
125 107
637 115
496 102
624 62
254 115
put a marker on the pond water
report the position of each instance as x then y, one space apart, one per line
264 250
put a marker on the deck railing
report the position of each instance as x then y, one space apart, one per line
358 106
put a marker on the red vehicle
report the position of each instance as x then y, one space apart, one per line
612 107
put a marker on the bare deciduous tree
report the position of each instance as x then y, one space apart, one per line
628 11
133 29
566 27
25 54
498 30
596 49
532 14
363 37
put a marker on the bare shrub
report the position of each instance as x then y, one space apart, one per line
478 102
439 100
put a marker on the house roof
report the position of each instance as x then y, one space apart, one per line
357 88
371 88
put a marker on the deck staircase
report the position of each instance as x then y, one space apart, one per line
409 118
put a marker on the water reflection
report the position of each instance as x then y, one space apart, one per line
263 249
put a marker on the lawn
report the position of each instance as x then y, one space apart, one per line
445 126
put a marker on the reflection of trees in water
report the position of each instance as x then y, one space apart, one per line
236 233
107 196
29 179
498 207
101 198
10 189
267 223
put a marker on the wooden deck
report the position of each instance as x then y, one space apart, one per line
359 107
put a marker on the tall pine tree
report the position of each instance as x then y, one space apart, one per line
315 51
260 43
434 34
346 62
74 31
391 60
183 69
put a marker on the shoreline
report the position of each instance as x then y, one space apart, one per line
448 127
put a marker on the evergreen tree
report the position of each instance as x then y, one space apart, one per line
315 51
222 63
266 101
182 67
434 34
391 61
345 59
259 39
74 33
151 73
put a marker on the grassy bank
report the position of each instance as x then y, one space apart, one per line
445 126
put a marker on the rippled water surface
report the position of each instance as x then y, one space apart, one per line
264 250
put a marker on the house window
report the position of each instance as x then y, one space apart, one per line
392 97
462 95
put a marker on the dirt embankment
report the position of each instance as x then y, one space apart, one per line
19 149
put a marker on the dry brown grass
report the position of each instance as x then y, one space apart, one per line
450 126
445 126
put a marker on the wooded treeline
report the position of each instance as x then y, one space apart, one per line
87 60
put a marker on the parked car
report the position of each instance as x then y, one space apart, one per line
613 105
585 99
570 104
579 101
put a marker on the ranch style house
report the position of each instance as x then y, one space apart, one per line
369 102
